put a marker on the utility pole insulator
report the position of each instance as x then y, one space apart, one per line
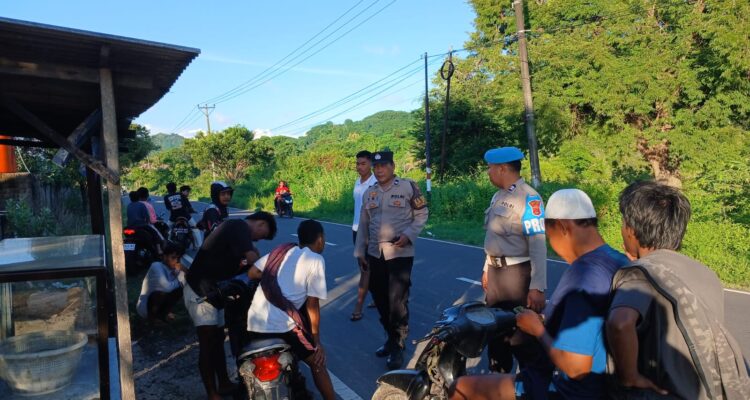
536 175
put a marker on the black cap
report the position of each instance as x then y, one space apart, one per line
382 157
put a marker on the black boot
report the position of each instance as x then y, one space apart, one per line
383 351
396 359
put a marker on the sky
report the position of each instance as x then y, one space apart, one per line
240 39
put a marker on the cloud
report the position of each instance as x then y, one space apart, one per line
190 133
316 71
263 132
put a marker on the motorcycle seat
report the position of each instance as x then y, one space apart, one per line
263 345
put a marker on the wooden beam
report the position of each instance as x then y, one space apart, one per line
27 143
78 137
70 73
109 142
60 140
94 193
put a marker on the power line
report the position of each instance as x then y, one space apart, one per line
388 86
280 61
348 98
282 71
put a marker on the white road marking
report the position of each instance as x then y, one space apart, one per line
467 280
737 291
343 391
328 243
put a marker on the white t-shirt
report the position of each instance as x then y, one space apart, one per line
159 278
359 191
301 275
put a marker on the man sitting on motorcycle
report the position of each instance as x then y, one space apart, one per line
282 189
301 280
229 251
221 196
571 329
188 207
157 239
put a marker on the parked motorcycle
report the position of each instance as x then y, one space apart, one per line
287 205
267 367
462 332
182 233
139 243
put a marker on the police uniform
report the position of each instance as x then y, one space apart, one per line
515 249
386 215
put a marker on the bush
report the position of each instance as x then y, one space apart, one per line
23 222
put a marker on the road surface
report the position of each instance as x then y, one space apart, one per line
444 273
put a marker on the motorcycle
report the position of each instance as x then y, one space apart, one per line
182 233
267 367
462 332
139 244
287 203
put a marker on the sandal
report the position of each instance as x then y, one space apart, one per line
356 316
371 305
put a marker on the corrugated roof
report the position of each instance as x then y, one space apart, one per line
53 72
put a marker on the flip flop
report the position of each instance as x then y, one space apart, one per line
356 316
371 305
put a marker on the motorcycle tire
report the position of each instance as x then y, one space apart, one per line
388 392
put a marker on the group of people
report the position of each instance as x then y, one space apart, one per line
643 324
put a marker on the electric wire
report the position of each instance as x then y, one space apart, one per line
282 71
280 64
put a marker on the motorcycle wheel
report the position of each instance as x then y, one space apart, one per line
388 392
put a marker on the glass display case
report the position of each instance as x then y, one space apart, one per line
53 318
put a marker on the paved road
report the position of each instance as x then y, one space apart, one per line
442 275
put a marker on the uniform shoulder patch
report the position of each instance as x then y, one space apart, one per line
418 201
533 216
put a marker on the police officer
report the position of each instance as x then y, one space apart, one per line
515 268
392 216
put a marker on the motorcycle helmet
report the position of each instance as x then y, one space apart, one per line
219 187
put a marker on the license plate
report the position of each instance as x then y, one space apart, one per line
129 246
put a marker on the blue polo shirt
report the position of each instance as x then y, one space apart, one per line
575 318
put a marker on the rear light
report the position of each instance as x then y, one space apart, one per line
267 368
129 232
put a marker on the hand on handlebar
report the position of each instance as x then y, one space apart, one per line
530 322
535 300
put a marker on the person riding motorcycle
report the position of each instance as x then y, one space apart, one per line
282 189
221 195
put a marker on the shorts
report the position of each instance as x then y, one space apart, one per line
528 384
204 313
298 349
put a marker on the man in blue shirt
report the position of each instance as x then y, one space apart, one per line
571 327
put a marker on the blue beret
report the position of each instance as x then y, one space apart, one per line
503 155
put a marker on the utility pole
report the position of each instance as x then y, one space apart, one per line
428 170
207 110
446 75
536 175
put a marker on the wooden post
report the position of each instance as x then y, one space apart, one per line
94 193
109 142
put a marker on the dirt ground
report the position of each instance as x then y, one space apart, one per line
165 358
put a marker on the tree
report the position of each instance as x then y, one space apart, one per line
227 154
138 147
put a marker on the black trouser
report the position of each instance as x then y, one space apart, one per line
161 303
390 281
507 288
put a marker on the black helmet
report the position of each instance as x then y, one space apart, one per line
218 187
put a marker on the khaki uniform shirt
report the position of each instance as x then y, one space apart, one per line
515 228
401 210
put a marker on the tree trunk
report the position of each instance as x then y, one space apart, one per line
664 166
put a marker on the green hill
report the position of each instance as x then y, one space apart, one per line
166 141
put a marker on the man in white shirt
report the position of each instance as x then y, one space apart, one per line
300 279
162 286
365 180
